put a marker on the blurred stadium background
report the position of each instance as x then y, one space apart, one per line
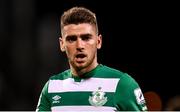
139 38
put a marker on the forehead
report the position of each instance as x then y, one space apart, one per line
77 29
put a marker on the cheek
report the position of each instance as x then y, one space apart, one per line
92 42
93 45
69 51
92 49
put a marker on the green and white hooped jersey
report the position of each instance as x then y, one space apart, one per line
101 89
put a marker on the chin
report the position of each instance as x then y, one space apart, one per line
80 65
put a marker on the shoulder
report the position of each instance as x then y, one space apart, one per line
110 72
61 76
54 78
125 80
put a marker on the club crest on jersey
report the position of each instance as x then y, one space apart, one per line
97 98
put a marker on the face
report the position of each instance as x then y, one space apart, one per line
80 42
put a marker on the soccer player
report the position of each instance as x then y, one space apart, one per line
87 85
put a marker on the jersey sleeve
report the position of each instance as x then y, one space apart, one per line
44 103
128 96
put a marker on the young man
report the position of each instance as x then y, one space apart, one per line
87 85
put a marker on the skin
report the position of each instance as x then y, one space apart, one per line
80 42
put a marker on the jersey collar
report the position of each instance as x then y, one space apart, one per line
86 75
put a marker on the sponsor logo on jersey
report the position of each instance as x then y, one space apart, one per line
139 96
56 99
98 98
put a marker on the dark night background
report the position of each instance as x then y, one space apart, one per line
139 38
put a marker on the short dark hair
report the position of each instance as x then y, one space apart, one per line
77 15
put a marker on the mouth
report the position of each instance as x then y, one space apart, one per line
80 55
80 58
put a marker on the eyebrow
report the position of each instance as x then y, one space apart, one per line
82 35
86 35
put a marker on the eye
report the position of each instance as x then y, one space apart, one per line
86 37
71 38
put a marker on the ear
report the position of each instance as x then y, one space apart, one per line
99 41
61 43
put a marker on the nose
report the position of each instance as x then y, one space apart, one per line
79 44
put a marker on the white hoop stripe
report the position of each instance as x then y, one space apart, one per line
69 85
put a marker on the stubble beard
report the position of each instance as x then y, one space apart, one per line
85 64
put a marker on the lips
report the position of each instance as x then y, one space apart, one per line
80 55
80 58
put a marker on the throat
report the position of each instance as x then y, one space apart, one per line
77 79
78 72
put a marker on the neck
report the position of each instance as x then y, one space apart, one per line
80 71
